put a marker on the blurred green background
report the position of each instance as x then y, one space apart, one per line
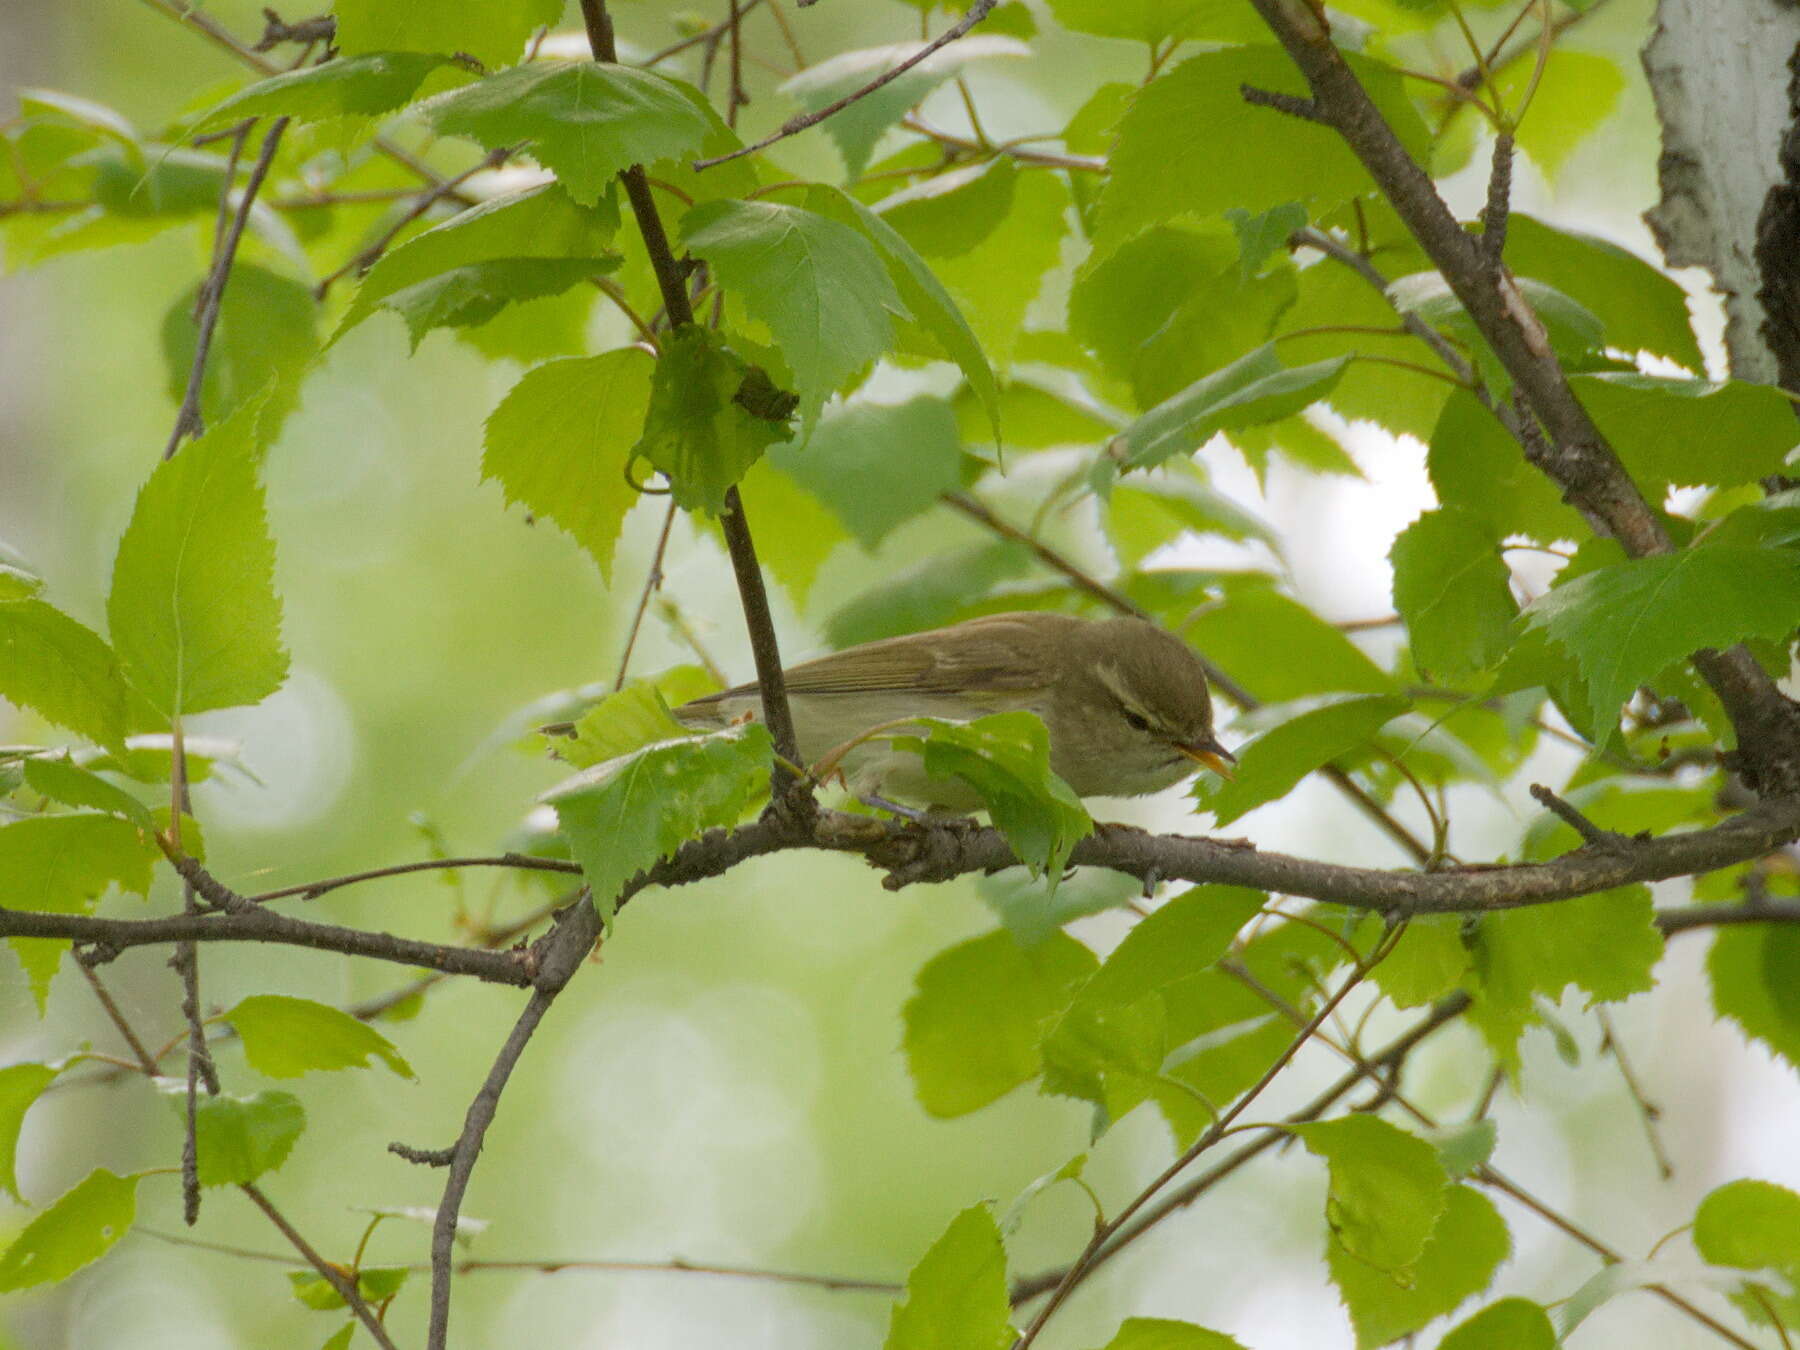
723 1083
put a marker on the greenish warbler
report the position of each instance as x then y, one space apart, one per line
1124 702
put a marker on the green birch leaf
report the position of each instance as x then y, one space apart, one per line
928 595
1283 650
1387 1191
1626 623
494 32
286 1037
1192 146
1477 468
1172 304
376 1284
20 1086
68 783
1606 944
1459 1260
61 670
977 1013
1750 1225
1159 1333
262 346
1293 747
584 121
193 610
522 246
1110 1045
1682 433
948 214
1146 512
920 291
1005 757
1453 588
237 1138
1644 310
956 1296
618 724
1253 390
560 441
1154 20
351 86
1755 1225
818 284
77 1230
856 129
996 283
62 865
1754 970
710 417
622 816
877 466
1427 963
1510 1324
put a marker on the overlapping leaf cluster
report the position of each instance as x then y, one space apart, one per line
1077 324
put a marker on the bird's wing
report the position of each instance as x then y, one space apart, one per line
990 654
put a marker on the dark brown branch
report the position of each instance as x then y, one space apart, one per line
1591 834
1573 454
109 937
1291 104
334 1275
910 854
794 125
276 31
1498 208
561 953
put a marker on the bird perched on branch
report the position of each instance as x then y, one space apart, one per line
1125 703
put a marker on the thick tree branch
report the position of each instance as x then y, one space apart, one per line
1575 455
910 853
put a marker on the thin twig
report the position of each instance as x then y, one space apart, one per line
1591 834
794 125
653 579
344 1282
427 199
553 1265
188 421
216 33
312 890
1648 1111
1105 1232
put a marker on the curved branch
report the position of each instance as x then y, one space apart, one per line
911 853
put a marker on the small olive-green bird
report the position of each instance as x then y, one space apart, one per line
1125 703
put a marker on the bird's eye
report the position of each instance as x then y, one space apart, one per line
1136 722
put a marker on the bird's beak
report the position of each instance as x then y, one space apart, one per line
1210 753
